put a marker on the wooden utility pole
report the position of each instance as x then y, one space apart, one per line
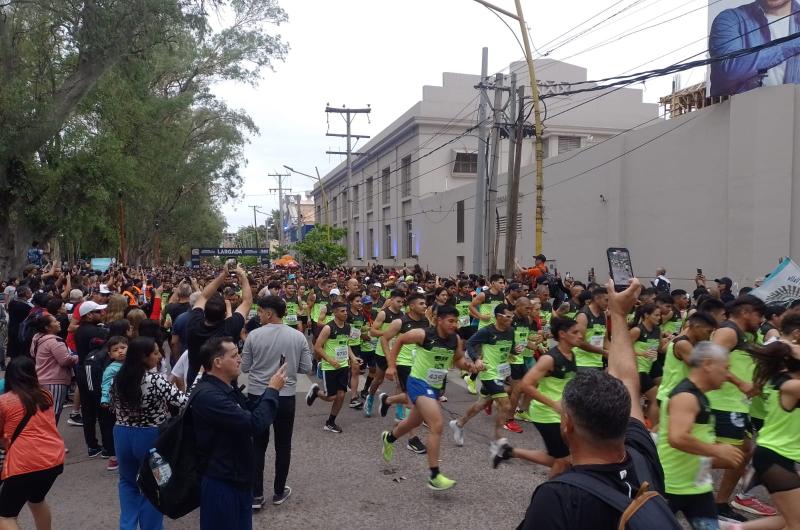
492 232
513 184
280 190
478 242
255 225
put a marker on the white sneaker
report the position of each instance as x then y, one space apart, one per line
458 433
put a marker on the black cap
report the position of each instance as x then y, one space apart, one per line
725 281
540 257
515 287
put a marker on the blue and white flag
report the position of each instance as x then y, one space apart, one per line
782 286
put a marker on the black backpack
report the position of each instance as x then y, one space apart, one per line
95 364
177 446
26 332
647 511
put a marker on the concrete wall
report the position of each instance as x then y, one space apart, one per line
717 189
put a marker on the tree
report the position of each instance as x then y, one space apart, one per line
246 237
101 96
317 248
273 224
280 251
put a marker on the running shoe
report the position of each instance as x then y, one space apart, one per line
470 385
356 403
75 419
105 455
258 502
388 447
416 446
399 412
724 511
753 505
499 450
311 396
512 426
364 394
443 399
95 451
113 465
440 483
458 433
384 404
368 404
332 427
523 416
280 498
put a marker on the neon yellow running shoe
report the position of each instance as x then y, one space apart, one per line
441 483
523 416
388 447
470 385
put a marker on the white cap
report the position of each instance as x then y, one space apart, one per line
377 284
104 289
88 307
335 292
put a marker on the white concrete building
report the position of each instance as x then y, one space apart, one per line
426 153
716 189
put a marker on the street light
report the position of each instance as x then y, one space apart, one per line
324 195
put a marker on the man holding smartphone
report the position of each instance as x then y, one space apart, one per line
265 350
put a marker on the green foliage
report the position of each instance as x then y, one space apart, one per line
246 237
106 104
280 250
248 261
319 246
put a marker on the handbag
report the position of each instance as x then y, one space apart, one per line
17 432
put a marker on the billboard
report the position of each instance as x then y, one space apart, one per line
735 25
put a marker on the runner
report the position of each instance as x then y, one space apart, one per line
647 343
466 328
403 358
686 441
591 351
526 338
333 350
292 316
358 329
482 306
437 348
384 318
493 345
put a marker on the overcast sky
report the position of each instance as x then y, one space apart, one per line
359 52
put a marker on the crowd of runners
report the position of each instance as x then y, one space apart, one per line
689 381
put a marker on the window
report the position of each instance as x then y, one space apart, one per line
466 163
357 246
459 263
502 224
334 211
355 201
568 143
345 207
408 240
460 222
385 185
370 192
405 177
387 242
371 249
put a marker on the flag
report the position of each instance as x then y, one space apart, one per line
782 286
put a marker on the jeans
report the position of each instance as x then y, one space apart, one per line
90 406
132 446
223 505
283 426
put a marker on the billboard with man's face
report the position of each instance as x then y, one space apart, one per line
736 25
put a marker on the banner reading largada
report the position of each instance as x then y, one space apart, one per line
782 286
736 25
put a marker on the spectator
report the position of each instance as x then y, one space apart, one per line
661 283
35 454
89 336
265 350
207 319
54 361
18 310
140 397
225 423
35 254
725 286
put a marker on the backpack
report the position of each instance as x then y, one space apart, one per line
95 364
646 511
26 332
177 446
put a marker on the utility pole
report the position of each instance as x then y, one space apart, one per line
298 221
492 232
255 225
279 189
515 165
537 114
348 115
478 246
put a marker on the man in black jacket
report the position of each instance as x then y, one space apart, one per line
225 423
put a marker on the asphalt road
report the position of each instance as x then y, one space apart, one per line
340 480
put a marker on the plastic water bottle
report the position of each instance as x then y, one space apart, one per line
160 468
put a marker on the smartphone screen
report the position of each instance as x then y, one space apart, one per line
283 360
620 267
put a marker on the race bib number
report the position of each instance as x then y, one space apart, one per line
341 353
504 370
703 477
463 321
596 340
355 333
436 376
291 319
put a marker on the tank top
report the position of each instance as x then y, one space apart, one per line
433 357
336 347
595 333
729 398
389 317
552 386
487 307
648 340
781 430
406 355
675 370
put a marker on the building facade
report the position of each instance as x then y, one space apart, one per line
430 152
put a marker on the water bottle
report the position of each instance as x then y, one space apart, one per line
160 468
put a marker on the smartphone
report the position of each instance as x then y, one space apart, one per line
283 360
699 272
231 263
620 267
